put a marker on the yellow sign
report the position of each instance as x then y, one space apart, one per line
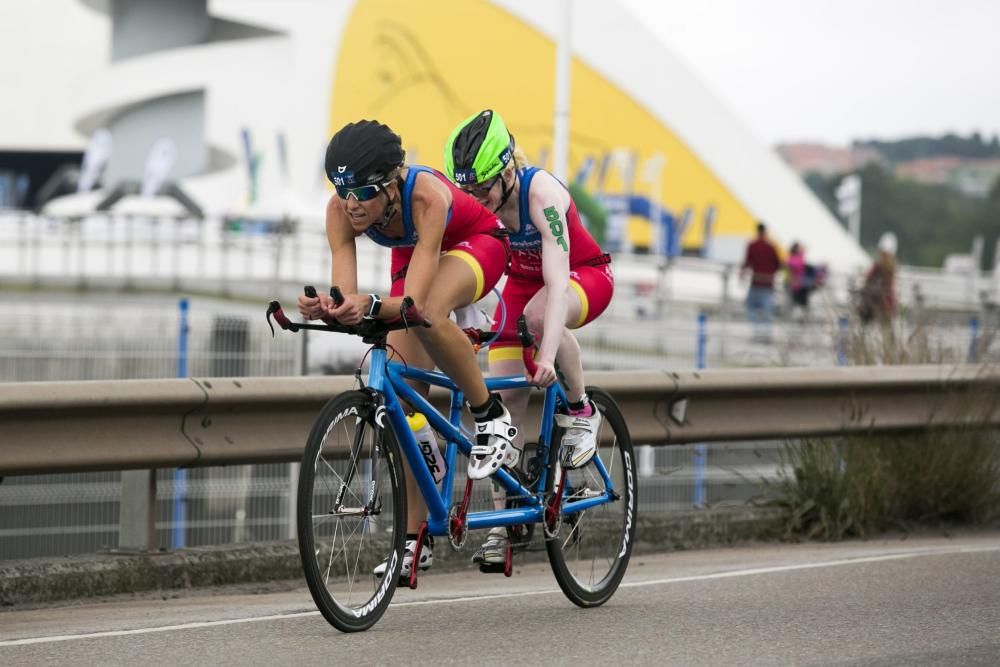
422 67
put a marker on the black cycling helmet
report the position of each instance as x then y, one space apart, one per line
363 153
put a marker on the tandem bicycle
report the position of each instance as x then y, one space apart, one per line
351 504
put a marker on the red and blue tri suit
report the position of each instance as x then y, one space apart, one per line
472 233
589 271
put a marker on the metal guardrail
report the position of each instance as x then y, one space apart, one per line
139 424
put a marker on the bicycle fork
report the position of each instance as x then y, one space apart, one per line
370 507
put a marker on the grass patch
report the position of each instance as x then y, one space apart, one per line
859 485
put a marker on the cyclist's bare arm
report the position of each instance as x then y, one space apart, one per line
342 248
344 275
548 202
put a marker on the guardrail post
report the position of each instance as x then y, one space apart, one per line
702 340
842 330
973 339
179 513
137 511
176 247
647 461
700 450
224 260
129 222
724 312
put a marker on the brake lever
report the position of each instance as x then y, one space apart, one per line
274 308
527 346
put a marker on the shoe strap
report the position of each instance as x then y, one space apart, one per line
583 423
498 427
482 450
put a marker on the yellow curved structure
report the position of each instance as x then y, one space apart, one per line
421 67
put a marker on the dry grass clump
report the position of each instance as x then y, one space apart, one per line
856 485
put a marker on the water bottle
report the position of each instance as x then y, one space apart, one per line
428 444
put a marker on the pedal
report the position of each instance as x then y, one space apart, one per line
414 567
506 567
492 568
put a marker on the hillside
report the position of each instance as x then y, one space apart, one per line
975 146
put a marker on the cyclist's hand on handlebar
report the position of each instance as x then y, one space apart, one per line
314 308
352 310
545 373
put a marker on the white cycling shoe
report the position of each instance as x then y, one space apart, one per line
494 549
494 447
579 441
426 560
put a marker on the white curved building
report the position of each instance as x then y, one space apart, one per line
643 128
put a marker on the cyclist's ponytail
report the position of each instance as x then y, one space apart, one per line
520 160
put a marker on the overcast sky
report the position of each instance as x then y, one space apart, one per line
836 70
828 70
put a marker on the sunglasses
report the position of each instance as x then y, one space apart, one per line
361 193
482 190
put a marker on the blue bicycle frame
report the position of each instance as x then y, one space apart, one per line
389 379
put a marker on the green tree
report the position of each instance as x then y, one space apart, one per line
930 221
994 196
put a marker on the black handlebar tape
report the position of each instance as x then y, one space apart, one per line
336 295
310 291
527 340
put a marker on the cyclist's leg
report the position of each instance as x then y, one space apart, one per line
413 353
454 286
465 273
589 293
506 359
568 355
588 296
506 353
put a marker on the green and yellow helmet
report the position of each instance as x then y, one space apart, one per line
478 149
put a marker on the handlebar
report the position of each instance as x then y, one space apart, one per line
409 316
369 330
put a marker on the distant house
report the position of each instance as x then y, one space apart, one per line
976 177
929 170
973 177
808 158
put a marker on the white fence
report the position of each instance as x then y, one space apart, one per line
239 259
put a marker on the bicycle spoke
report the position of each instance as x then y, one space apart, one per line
357 559
343 481
333 550
343 549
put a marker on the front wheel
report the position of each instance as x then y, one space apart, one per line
351 512
590 549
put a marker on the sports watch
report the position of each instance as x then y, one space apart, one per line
376 305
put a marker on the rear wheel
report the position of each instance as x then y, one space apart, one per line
591 548
343 532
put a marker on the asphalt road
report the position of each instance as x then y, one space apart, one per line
920 601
